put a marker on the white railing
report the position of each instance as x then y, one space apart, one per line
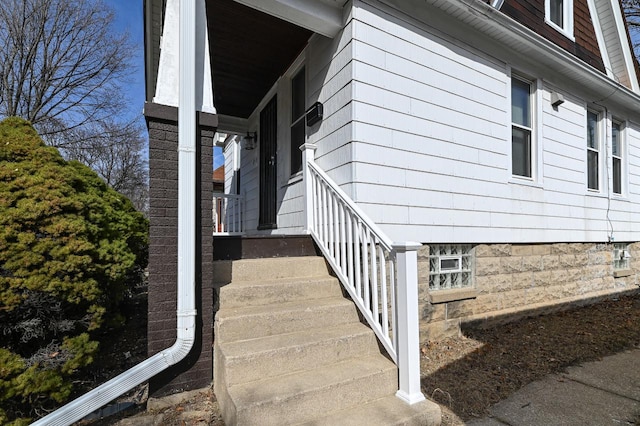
227 214
381 277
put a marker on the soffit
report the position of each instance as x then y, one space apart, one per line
249 50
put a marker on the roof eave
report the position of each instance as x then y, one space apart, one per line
503 29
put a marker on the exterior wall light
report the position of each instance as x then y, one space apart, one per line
250 141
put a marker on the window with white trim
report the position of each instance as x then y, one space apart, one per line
450 266
559 14
621 256
522 137
593 150
617 151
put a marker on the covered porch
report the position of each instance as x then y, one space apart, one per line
257 75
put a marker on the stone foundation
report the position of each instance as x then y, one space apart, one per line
516 280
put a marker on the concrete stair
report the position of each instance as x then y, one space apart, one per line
290 349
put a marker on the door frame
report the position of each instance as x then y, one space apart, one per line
268 162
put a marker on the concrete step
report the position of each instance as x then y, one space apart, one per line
387 411
254 293
225 271
250 322
303 396
271 356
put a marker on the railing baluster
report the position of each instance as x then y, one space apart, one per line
343 244
314 203
356 246
383 292
350 243
318 209
336 229
332 223
324 215
231 206
374 280
392 292
365 269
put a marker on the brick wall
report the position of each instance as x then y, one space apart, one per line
195 371
515 280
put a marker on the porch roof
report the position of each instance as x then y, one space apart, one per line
249 50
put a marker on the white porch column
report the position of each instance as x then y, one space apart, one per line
169 67
308 156
408 349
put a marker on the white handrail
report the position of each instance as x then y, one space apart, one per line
380 276
228 214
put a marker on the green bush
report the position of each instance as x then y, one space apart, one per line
70 250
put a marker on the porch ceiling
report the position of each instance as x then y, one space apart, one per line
249 51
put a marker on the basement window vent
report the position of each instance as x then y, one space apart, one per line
450 266
621 256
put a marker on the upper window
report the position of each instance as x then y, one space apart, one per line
593 151
298 100
617 151
559 14
521 127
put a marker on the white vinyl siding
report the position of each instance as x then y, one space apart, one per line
417 129
432 140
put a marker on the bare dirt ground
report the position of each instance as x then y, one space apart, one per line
468 374
465 375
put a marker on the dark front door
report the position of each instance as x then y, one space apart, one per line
268 145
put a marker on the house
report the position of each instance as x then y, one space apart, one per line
503 136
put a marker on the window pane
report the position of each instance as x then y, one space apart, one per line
297 96
592 130
556 12
521 152
520 102
617 176
297 139
592 169
615 139
448 264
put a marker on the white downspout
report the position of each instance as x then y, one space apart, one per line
186 311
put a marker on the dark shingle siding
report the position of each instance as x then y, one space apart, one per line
530 13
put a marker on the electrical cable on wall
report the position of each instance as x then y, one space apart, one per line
606 169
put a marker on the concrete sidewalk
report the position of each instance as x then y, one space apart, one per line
605 392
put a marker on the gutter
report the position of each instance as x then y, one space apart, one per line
186 311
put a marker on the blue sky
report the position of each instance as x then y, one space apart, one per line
129 18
